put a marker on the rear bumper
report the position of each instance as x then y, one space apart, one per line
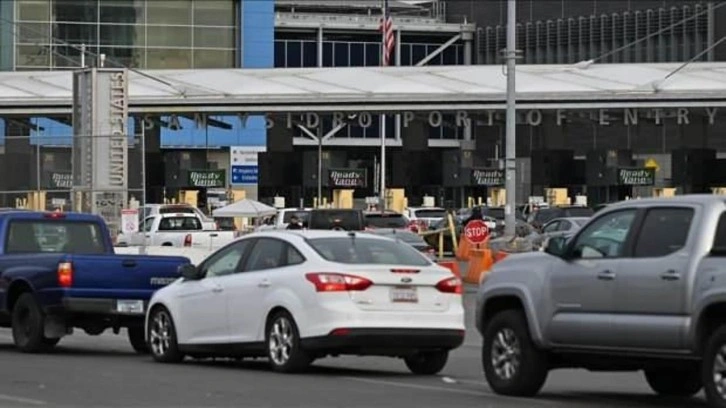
95 306
383 341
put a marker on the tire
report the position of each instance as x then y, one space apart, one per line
526 367
711 368
684 382
283 345
162 337
137 338
28 325
427 363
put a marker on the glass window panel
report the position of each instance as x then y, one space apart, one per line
67 56
33 10
81 11
437 59
169 58
294 54
418 53
406 54
76 33
130 57
214 12
165 36
33 33
214 58
130 35
280 54
373 54
122 11
310 54
214 37
356 55
32 56
327 54
340 56
169 12
449 55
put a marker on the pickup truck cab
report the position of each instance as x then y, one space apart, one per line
58 271
281 220
177 230
641 286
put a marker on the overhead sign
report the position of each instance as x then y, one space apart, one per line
60 180
244 164
207 178
636 177
487 177
476 231
129 221
347 178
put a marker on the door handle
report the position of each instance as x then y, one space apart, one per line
214 235
606 275
217 289
264 284
671 275
128 263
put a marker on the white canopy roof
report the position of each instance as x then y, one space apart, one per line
383 89
245 208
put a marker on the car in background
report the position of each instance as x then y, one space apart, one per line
283 217
150 210
336 219
563 226
541 216
307 295
411 238
385 219
423 217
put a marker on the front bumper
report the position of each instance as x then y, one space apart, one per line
383 341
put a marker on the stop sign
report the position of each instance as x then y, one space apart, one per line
476 231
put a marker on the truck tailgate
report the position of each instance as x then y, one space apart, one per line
122 276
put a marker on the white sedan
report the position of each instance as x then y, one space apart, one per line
296 296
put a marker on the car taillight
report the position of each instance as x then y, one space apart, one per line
65 274
54 215
337 282
188 240
450 285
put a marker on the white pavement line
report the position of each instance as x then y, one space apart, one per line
451 390
21 400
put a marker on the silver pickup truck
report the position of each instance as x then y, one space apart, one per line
641 286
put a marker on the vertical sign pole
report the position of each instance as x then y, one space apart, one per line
511 141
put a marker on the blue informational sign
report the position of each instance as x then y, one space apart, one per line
245 175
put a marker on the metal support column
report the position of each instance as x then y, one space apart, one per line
511 138
467 37
398 63
320 46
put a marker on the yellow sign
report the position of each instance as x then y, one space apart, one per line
652 164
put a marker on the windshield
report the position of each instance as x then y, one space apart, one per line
179 224
368 251
579 212
70 237
386 221
432 213
405 236
302 215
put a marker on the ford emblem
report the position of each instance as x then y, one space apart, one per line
406 280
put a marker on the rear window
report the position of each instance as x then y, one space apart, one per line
386 221
70 237
179 224
367 251
327 219
303 216
405 236
579 212
430 213
581 222
497 213
182 209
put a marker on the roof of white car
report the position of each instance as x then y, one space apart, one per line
317 234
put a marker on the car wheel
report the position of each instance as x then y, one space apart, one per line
427 363
713 369
512 364
28 323
162 337
675 383
137 338
283 345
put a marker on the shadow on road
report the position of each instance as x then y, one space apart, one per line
626 399
262 365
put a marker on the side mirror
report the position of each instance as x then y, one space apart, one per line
556 246
189 271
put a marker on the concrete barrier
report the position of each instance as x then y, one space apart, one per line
195 255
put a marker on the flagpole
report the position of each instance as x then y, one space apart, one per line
382 188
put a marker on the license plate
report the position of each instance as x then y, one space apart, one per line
404 294
130 306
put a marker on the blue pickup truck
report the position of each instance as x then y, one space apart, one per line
58 271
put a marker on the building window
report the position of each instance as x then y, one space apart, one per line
178 34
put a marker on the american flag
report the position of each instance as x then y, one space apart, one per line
387 31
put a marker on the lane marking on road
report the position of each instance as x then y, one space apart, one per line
450 390
21 400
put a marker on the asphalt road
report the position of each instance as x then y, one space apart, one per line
103 371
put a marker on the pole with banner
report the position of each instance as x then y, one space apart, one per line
387 45
510 162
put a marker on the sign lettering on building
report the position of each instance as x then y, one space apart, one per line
118 115
636 177
207 178
487 177
61 181
348 178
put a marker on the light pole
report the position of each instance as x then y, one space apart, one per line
511 138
